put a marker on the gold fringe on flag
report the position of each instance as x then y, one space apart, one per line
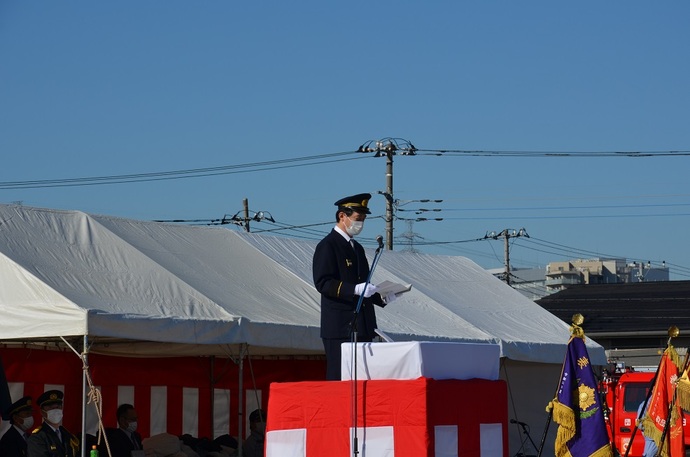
683 391
650 431
647 423
565 418
673 355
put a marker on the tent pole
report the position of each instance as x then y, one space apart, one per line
212 359
83 397
240 404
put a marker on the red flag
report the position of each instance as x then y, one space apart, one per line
654 423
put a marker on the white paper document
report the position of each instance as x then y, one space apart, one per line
390 287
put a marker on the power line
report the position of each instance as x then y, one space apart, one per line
568 208
581 216
353 155
314 160
177 174
551 154
565 248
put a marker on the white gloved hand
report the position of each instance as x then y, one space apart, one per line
390 298
368 292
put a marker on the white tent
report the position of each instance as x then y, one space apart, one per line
164 289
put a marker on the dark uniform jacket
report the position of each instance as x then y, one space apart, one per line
12 443
44 442
120 443
337 269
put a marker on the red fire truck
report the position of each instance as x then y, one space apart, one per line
623 390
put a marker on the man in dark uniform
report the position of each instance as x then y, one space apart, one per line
13 442
340 270
124 439
253 446
52 439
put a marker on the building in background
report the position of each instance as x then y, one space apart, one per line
631 321
560 275
535 283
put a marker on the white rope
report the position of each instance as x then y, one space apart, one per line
94 396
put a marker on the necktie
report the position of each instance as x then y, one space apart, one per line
352 243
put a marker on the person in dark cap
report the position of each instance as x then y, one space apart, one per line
254 444
124 439
51 439
340 270
20 414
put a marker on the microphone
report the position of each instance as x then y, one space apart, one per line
513 421
379 240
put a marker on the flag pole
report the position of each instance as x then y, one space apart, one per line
546 430
673 332
667 424
575 331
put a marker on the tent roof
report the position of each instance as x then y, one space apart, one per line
184 290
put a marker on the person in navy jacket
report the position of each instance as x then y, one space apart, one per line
340 270
124 439
13 442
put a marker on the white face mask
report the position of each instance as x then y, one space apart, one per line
27 423
354 228
132 427
54 416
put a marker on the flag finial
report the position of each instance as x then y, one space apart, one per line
576 329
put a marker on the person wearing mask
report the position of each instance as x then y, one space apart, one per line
340 269
124 439
20 414
51 439
254 444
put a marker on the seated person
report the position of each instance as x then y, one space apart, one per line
254 444
124 439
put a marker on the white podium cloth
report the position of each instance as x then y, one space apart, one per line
414 359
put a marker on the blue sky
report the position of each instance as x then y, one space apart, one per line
102 89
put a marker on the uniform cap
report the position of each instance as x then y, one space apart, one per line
357 203
23 404
50 397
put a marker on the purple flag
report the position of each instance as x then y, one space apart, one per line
578 409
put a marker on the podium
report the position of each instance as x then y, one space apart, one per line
411 417
414 359
396 418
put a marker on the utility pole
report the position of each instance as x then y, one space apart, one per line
389 196
243 221
389 147
507 234
245 202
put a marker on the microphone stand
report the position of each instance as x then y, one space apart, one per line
525 431
377 256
